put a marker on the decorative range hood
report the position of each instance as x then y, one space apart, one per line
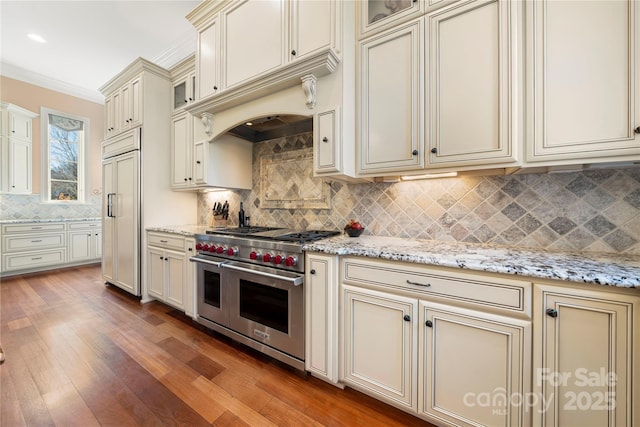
303 72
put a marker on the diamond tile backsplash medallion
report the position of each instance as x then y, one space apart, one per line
592 211
30 206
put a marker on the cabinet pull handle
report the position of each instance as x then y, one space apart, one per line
36 258
36 241
428 323
552 312
164 241
426 285
313 271
434 150
407 318
325 139
637 130
36 228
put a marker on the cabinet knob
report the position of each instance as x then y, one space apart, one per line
185 179
637 130
185 101
198 162
215 88
161 257
414 152
434 150
428 323
190 99
325 139
552 312
293 52
189 179
407 318
312 271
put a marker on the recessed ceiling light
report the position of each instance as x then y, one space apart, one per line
36 38
249 123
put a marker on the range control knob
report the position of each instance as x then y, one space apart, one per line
205 247
232 251
291 261
267 257
212 248
277 259
198 246
254 255
220 250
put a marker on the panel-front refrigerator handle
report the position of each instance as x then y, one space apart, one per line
110 205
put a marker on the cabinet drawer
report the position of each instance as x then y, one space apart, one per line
121 144
431 283
33 260
32 227
32 242
84 225
167 241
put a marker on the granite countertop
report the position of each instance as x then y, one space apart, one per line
42 220
603 269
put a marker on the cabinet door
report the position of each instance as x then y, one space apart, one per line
321 312
585 355
181 151
19 166
156 267
250 53
183 92
583 80
472 83
207 59
199 160
391 101
125 107
313 25
327 129
20 126
380 344
175 278
377 15
81 245
135 102
109 116
97 244
473 366
108 222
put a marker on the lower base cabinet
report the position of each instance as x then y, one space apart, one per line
474 367
169 277
586 360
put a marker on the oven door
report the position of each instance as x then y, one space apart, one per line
267 305
212 289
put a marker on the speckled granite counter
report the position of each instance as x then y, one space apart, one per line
184 230
604 269
34 220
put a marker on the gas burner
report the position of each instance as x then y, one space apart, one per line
307 236
241 231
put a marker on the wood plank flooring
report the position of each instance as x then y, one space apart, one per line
82 353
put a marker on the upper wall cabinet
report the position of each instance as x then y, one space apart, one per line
16 139
183 82
288 39
472 80
440 91
583 81
123 108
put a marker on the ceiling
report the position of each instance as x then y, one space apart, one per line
88 42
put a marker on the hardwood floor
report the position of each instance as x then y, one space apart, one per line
82 353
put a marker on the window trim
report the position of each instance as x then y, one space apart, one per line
83 155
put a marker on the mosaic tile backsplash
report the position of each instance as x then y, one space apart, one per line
29 206
591 211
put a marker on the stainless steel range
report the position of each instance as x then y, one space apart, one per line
250 287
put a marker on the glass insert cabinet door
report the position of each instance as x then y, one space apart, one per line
381 9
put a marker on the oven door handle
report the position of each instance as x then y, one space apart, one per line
295 281
206 261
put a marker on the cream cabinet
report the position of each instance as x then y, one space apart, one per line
582 82
391 101
321 316
377 15
167 267
123 108
472 82
208 58
467 355
327 153
247 54
181 151
183 83
312 26
16 126
38 246
85 241
586 357
380 344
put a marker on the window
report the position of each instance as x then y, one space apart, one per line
63 156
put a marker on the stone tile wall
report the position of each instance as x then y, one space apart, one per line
29 206
593 211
